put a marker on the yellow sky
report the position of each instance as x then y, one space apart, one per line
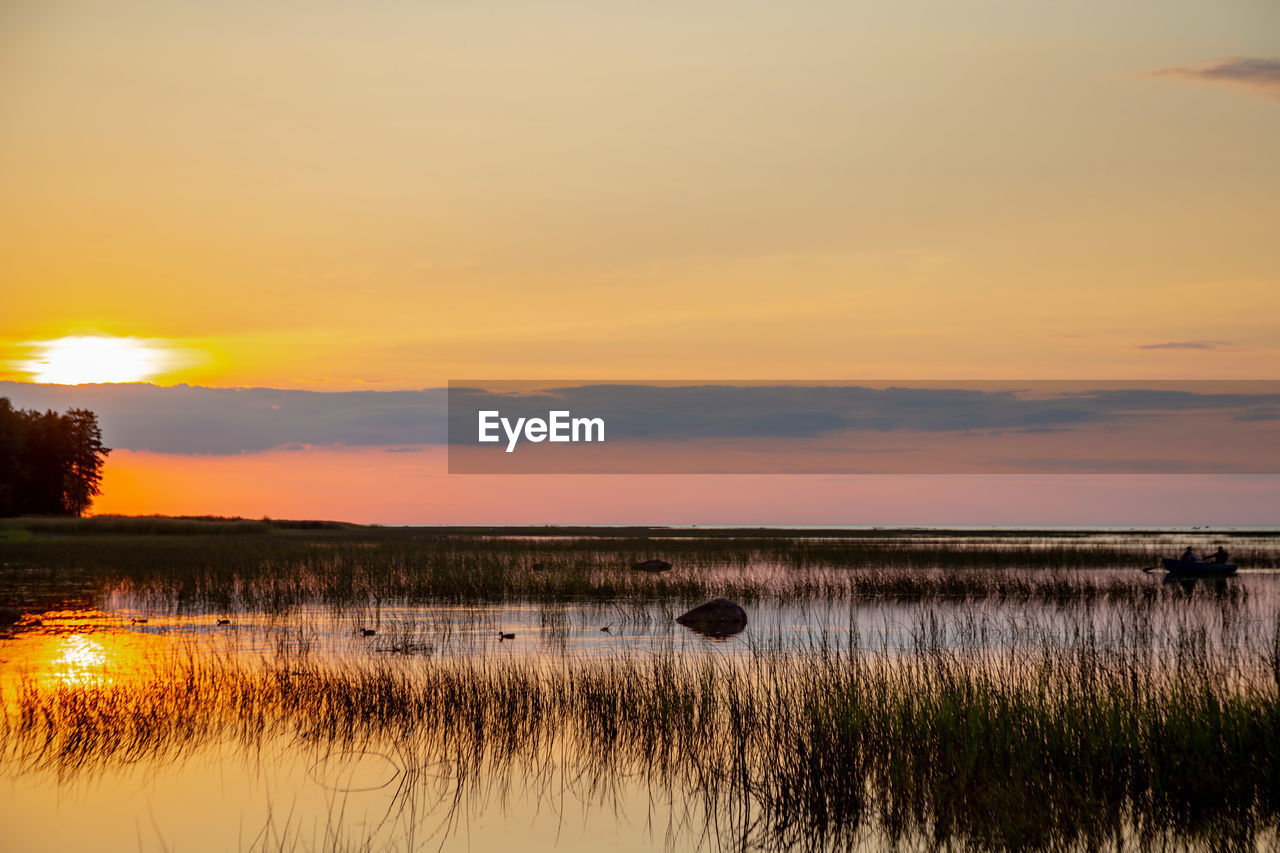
390 194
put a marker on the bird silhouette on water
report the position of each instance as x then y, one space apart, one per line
224 621
367 632
502 636
606 628
137 621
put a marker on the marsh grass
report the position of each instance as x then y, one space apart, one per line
1107 710
1151 731
276 571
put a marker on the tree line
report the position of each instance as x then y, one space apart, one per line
50 464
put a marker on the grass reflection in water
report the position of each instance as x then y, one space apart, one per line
1148 731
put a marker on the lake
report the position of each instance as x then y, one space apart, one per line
989 689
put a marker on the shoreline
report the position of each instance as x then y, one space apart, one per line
193 524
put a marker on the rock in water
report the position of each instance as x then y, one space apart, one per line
719 618
652 566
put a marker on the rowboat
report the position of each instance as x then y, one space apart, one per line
1197 569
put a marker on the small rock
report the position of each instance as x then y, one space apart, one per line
652 566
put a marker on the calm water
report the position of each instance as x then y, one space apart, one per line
105 642
288 793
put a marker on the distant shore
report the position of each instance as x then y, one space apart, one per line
209 524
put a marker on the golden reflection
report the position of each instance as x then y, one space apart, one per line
76 648
81 660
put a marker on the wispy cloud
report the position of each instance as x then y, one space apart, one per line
1260 75
1200 345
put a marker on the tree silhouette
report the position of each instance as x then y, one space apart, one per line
50 464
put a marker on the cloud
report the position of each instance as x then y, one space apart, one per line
1260 75
1200 345
222 421
1259 413
657 413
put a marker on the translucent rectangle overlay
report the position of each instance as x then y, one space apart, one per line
864 427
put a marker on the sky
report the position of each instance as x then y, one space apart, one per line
386 196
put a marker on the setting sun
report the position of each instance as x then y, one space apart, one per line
76 360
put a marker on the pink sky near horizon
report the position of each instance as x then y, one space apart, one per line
375 486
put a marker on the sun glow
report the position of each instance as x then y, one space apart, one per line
81 659
76 360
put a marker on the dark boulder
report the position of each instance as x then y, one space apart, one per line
719 618
652 566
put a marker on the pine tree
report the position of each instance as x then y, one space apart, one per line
50 464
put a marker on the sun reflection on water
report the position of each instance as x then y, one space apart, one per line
76 648
81 660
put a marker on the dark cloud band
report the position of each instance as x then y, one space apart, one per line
724 427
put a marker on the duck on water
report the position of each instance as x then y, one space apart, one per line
1191 566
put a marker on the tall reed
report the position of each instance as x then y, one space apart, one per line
1147 733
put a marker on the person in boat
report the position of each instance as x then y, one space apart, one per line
1219 556
1189 556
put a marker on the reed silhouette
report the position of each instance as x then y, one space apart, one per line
1159 733
1023 705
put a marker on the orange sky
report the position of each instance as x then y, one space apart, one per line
391 195
388 195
